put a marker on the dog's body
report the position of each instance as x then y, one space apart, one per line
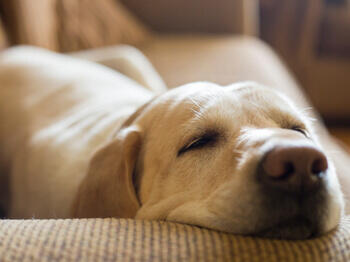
97 149
50 125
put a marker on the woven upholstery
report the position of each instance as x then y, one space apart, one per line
137 240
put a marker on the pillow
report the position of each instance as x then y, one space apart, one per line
90 23
66 25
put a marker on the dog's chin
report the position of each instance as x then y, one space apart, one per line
297 228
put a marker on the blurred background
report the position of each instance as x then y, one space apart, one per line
311 36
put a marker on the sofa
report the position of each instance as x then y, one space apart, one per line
180 59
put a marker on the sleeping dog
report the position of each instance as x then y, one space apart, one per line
80 140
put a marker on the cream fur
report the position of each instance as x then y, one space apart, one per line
68 154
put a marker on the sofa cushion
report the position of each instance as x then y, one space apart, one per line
88 23
65 25
137 240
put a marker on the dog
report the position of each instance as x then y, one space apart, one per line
78 140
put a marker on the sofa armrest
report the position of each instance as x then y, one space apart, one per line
204 16
137 240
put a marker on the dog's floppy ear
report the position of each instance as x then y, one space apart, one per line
108 190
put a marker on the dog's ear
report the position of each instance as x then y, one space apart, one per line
108 190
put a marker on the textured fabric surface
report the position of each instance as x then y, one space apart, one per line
136 240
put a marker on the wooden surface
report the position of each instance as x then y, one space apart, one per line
3 37
342 134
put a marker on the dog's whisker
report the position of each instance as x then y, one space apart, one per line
312 119
337 152
238 151
306 109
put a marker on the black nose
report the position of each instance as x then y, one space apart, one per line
293 168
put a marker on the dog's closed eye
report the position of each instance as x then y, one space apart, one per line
300 130
198 142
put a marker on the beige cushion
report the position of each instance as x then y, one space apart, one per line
136 240
89 23
220 59
68 25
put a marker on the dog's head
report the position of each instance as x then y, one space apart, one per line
240 159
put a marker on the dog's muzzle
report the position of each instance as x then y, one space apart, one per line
292 182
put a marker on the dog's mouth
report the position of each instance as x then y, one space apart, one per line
296 228
293 216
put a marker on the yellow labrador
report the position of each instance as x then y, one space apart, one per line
79 140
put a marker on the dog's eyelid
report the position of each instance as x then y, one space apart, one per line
199 141
299 129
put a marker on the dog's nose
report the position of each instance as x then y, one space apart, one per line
294 168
